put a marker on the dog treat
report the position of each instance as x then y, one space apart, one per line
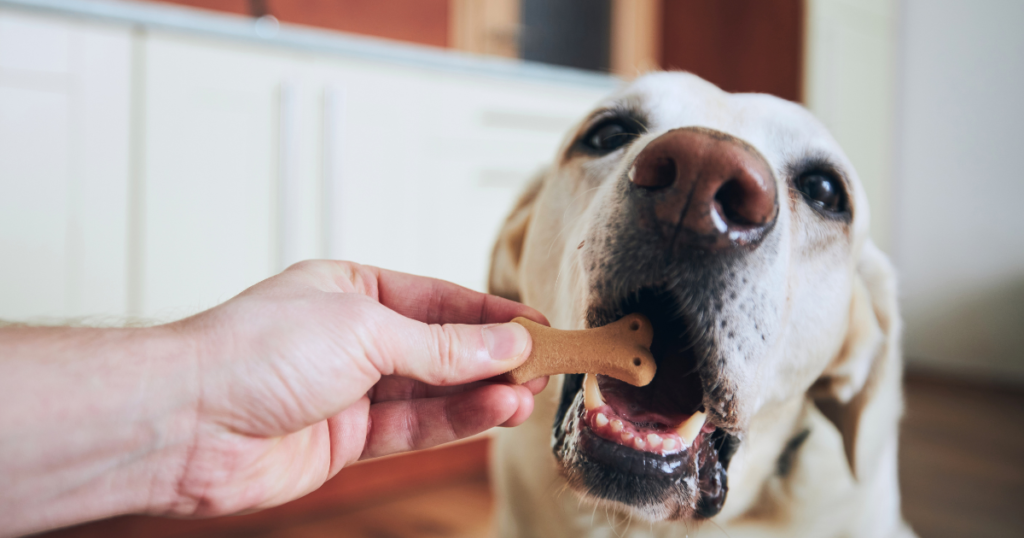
621 350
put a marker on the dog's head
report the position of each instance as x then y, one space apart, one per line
737 225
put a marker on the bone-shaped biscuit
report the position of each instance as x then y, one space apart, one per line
621 350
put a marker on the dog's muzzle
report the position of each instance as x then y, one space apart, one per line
693 201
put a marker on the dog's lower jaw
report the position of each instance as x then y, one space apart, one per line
650 489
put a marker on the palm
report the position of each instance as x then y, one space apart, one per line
262 439
261 472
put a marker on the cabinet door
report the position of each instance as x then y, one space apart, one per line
375 174
219 121
429 163
256 158
484 139
64 160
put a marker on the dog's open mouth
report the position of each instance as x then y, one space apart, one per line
635 418
651 447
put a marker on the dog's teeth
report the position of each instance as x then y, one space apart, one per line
654 440
640 443
617 426
691 428
591 393
669 444
626 436
601 420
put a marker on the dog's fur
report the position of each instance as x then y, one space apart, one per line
814 399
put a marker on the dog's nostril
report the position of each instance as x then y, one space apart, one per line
636 361
734 199
635 326
703 189
655 173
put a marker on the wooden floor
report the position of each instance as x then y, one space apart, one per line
962 473
962 459
961 469
459 510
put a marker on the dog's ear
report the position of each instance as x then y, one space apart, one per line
850 388
508 250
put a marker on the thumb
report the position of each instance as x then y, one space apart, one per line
451 354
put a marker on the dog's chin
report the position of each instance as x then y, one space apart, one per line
652 452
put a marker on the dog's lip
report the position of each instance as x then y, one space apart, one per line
629 459
610 470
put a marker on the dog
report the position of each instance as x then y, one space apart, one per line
736 224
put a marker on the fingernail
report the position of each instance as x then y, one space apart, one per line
505 341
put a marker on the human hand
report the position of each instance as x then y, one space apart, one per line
331 362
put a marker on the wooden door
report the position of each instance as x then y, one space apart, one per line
740 45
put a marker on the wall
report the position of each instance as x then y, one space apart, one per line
959 241
416 21
849 84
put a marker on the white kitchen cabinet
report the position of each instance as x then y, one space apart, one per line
209 173
257 158
153 169
64 94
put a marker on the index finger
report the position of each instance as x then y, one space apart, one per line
431 300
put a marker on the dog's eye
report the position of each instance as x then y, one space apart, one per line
611 134
823 191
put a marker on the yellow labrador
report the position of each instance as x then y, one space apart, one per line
739 227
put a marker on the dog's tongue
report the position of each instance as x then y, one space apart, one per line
639 405
639 418
674 395
664 416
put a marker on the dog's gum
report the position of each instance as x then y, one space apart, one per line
625 433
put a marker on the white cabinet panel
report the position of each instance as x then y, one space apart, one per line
484 139
429 163
98 219
210 174
33 202
63 168
378 179
35 44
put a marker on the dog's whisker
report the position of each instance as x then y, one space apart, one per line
579 198
563 229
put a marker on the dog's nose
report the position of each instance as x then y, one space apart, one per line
707 188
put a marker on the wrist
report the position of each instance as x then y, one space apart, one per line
95 422
169 429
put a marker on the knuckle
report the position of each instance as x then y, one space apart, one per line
449 421
413 434
305 266
338 275
445 346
